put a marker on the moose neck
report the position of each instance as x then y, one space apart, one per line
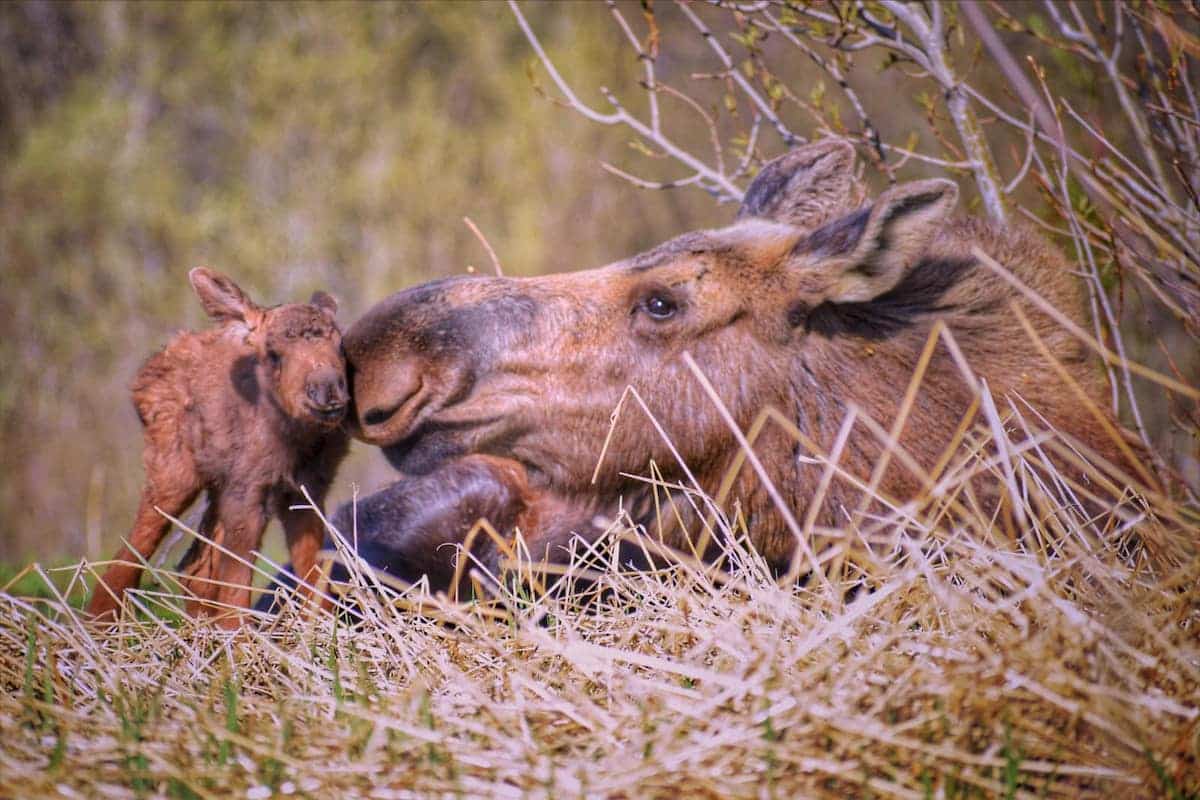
847 395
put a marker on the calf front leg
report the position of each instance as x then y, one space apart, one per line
305 534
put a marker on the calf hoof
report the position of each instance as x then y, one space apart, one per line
103 606
269 602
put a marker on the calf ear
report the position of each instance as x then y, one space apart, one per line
326 302
871 250
222 298
804 187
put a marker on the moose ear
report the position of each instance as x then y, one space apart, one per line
326 302
222 298
873 248
804 187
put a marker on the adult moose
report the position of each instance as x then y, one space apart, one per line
495 395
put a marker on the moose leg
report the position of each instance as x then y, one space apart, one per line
305 534
415 528
199 564
242 520
149 527
410 529
549 526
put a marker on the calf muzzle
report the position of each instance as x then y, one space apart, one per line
326 394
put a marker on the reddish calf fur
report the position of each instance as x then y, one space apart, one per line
807 303
249 410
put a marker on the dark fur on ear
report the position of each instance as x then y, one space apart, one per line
919 293
868 253
326 302
804 187
837 238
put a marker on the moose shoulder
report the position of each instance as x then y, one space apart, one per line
807 304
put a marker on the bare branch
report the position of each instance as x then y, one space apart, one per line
1017 80
764 108
965 122
647 60
713 136
486 245
831 67
1029 148
1137 122
713 179
641 183
564 87
940 162
751 143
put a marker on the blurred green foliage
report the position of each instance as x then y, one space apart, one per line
339 146
296 147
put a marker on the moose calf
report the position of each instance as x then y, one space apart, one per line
249 410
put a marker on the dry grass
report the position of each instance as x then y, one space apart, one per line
943 658
1051 651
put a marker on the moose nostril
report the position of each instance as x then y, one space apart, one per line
388 398
378 416
326 395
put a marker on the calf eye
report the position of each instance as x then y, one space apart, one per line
660 306
274 358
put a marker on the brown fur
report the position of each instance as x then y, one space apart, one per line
805 304
249 410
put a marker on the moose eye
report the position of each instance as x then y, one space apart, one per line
274 358
660 306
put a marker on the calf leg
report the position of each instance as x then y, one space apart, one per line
242 520
149 527
305 534
199 564
172 484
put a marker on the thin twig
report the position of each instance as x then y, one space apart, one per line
718 182
486 246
